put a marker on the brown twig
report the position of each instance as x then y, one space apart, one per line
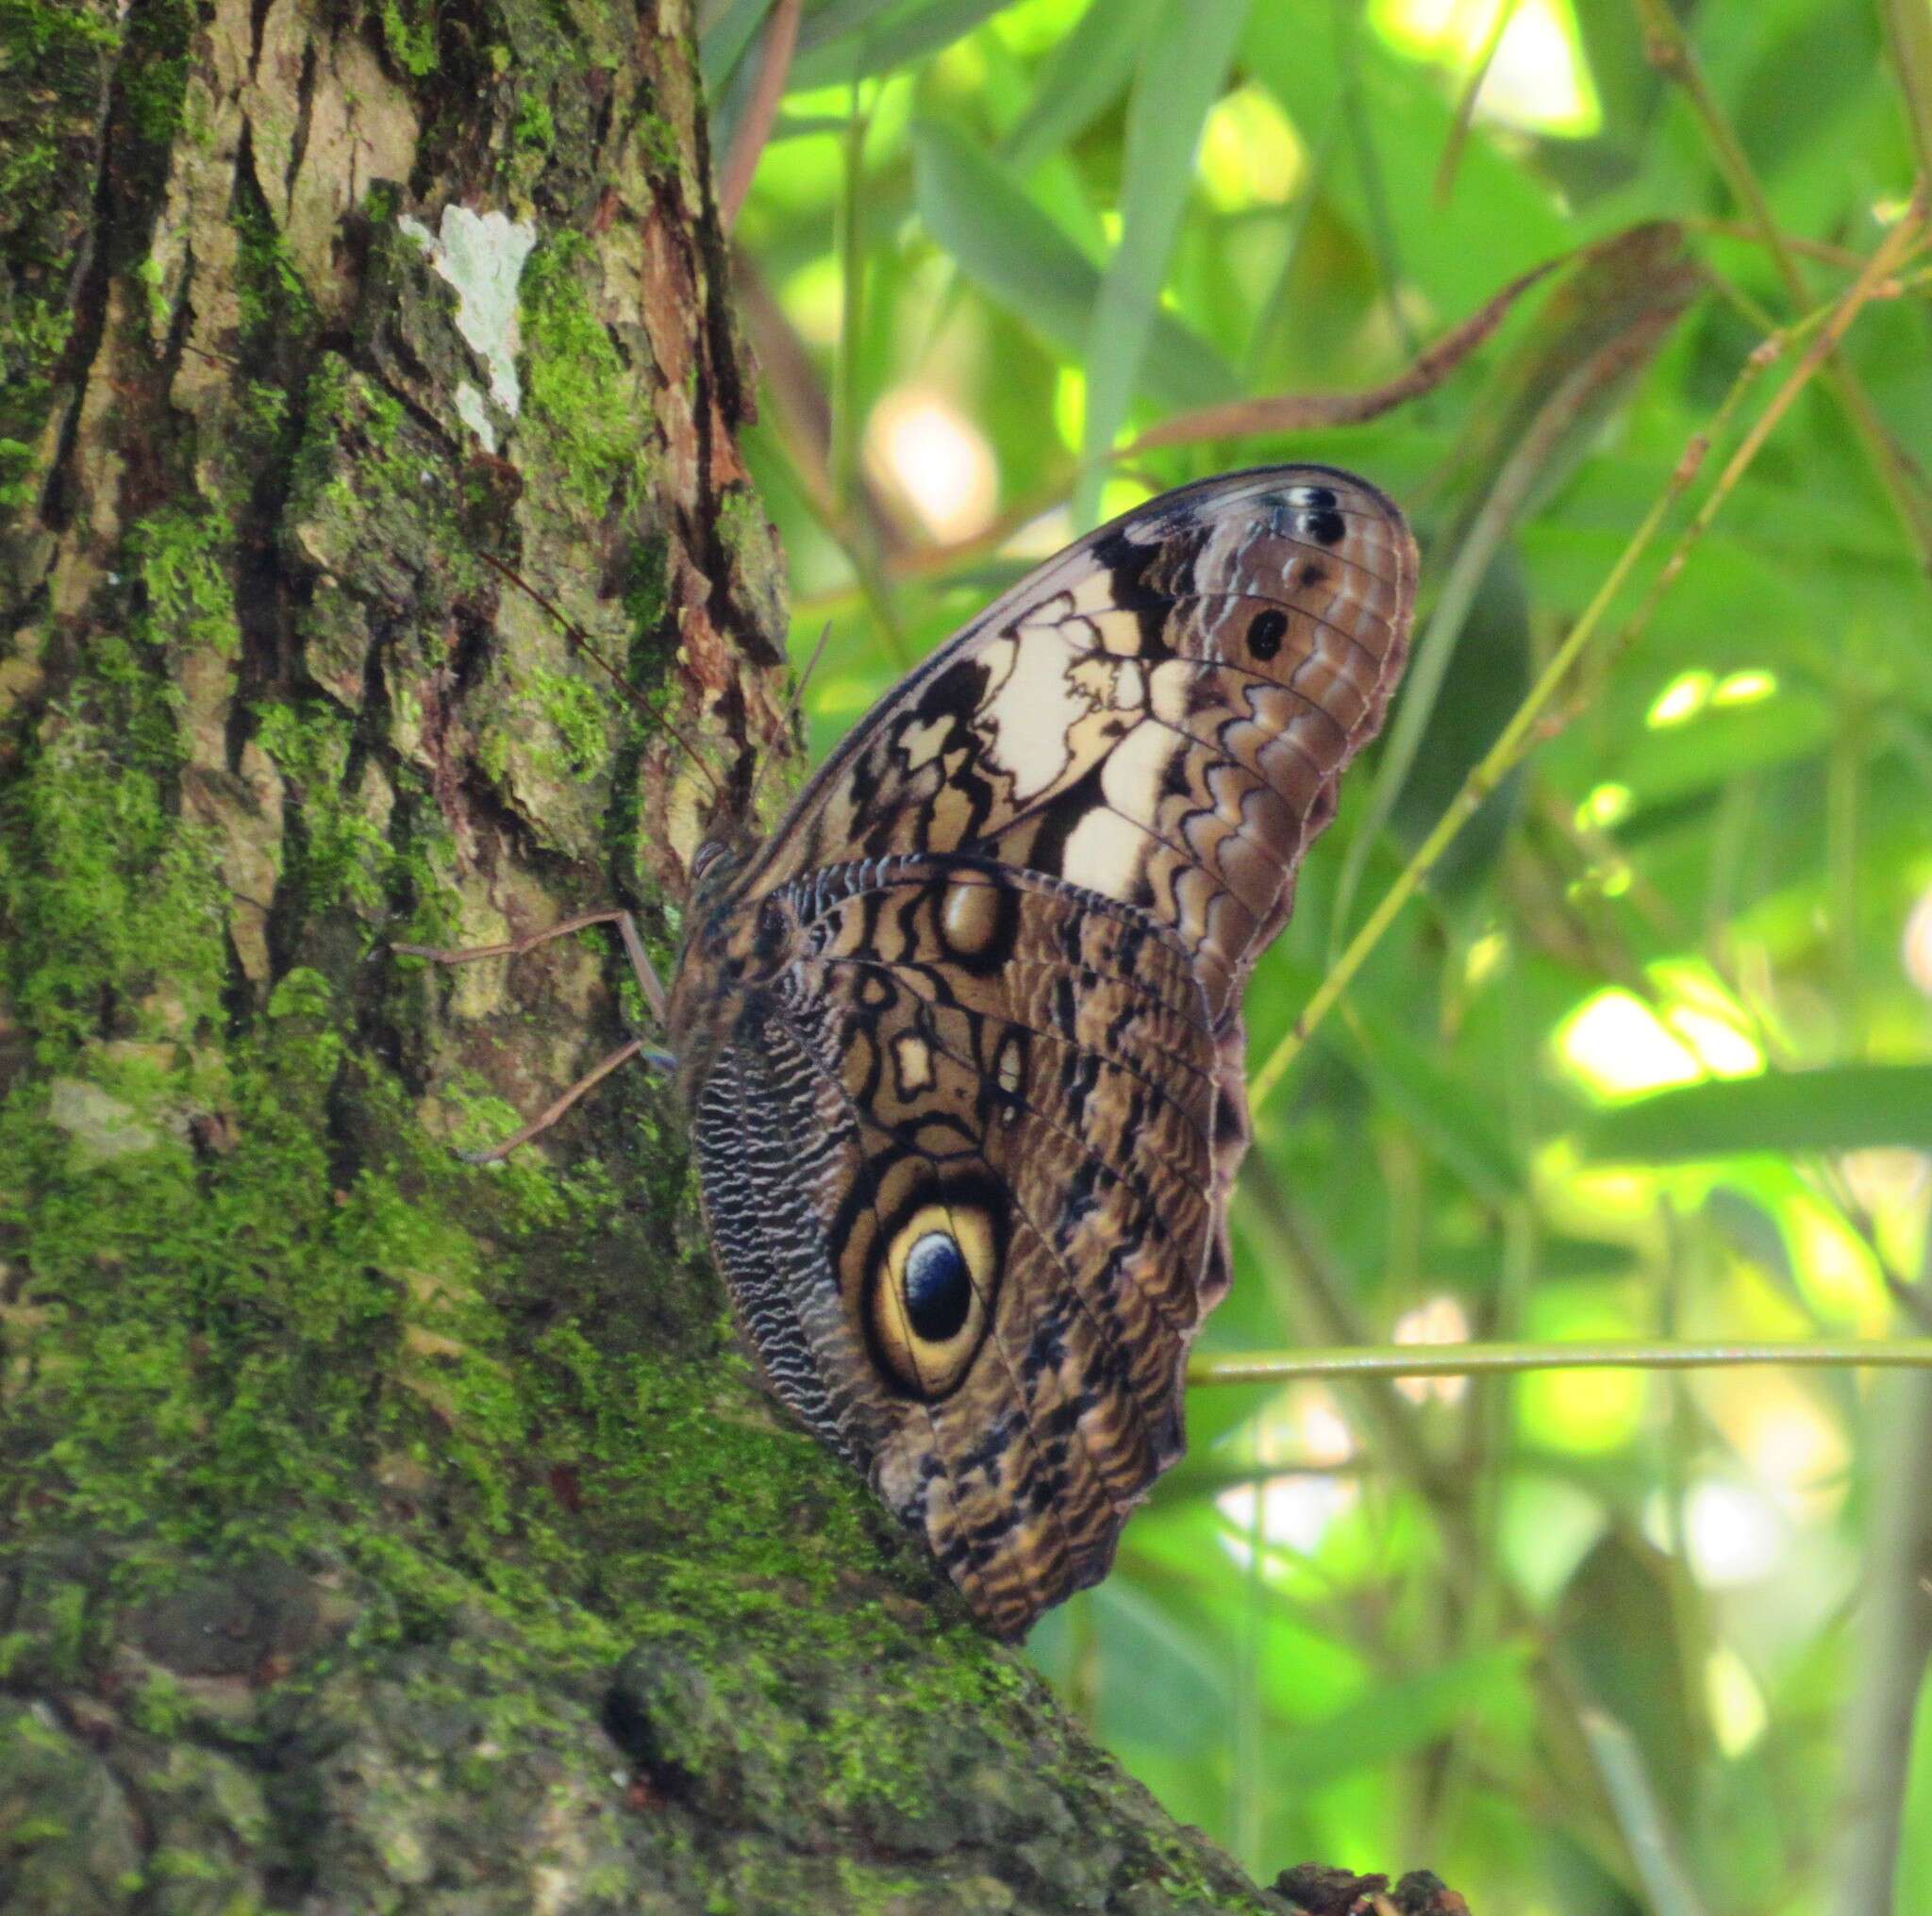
1669 49
1535 717
760 111
1307 412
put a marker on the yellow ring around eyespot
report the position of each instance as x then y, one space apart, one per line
933 1367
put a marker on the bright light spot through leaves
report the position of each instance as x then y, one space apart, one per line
1620 1047
936 458
1732 1533
1604 806
1539 80
1917 951
1441 1321
1682 699
1737 1704
1250 154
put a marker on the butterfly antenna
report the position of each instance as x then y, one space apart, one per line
793 715
581 640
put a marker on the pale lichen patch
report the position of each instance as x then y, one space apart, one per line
482 255
102 1126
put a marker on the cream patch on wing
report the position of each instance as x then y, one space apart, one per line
1132 776
913 1060
1109 850
1105 853
920 745
1027 721
1092 594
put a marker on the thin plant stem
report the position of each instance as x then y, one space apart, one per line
1388 1362
755 127
1519 737
1672 53
848 238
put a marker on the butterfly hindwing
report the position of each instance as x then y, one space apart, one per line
963 1043
1006 1090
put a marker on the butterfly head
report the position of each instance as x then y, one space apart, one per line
713 866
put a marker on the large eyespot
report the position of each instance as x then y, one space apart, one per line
932 1295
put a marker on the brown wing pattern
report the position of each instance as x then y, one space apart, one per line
950 1051
1161 714
963 1044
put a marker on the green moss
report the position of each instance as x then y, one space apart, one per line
106 891
153 76
408 31
576 711
645 595
275 306
181 556
533 130
374 500
54 59
340 851
576 412
16 469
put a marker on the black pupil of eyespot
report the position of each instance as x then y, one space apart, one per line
939 1287
1266 634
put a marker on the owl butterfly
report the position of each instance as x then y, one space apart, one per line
961 1044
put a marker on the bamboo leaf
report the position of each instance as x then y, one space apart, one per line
979 213
1593 337
881 38
1841 1107
1908 34
1080 80
1393 1720
1436 1106
723 43
1183 66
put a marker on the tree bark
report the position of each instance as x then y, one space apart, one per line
382 1532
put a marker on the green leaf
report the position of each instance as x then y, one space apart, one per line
1392 1719
1436 1108
831 52
1681 761
1487 677
1079 80
1841 1107
723 46
1183 67
1586 347
980 214
1617 1624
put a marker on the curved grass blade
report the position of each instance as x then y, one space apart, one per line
1594 337
880 38
978 212
1079 80
1183 67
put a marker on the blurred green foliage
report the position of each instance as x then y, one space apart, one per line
1648 1057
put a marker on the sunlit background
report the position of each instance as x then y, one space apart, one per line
1588 1641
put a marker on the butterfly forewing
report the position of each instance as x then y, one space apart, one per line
977 1010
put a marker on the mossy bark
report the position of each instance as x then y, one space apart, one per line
384 1533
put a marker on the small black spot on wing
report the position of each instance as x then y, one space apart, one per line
1266 633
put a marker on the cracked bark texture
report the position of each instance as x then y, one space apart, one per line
383 1533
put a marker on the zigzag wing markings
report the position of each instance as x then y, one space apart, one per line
1016 1480
1107 1171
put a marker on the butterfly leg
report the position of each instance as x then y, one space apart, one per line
626 927
635 1047
544 1120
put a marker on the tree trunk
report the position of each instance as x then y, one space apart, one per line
385 1532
